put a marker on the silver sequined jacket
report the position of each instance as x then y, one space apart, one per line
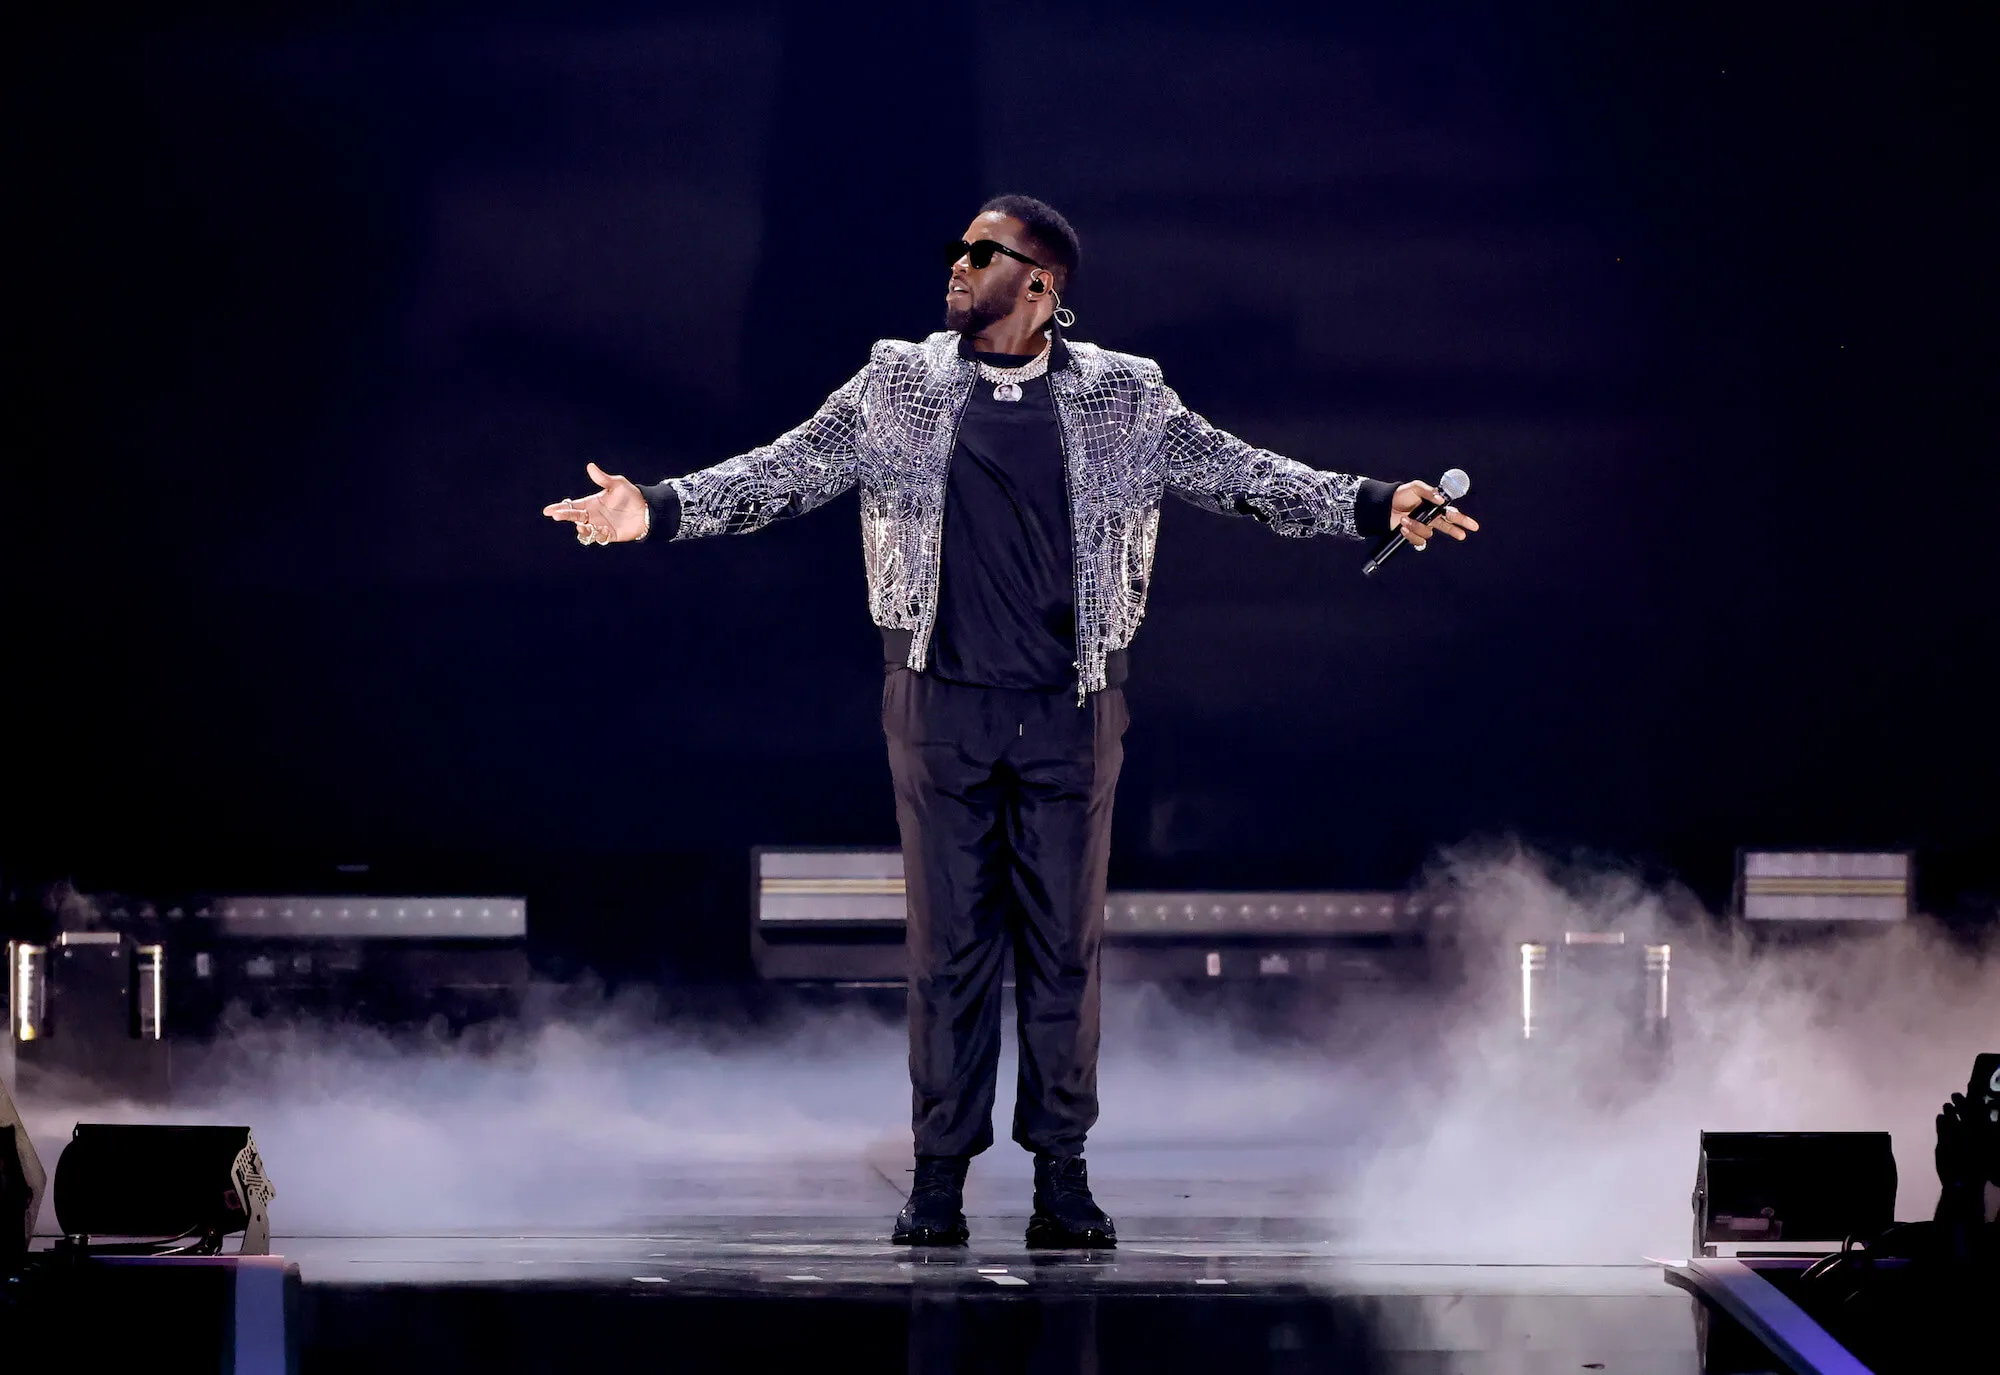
1126 438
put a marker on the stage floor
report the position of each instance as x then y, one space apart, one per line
761 1268
766 1292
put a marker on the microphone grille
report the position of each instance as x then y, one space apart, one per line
1454 484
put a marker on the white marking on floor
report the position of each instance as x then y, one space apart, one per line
804 1277
650 1279
1209 1281
1006 1279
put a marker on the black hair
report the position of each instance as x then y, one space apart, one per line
1046 226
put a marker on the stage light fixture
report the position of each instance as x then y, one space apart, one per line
1592 979
163 1189
836 916
27 990
1534 960
1823 885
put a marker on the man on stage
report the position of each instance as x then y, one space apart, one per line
1010 495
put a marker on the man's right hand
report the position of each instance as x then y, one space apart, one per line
616 514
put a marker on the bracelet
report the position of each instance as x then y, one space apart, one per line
649 525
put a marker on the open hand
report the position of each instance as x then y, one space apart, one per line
1413 495
614 515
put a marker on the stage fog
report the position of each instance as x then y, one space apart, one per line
1417 1125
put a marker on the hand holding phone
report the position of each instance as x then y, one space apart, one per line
1968 1143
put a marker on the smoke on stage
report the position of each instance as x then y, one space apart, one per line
1411 1125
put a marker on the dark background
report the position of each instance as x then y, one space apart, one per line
312 308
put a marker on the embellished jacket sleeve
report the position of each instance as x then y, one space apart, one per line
1217 471
800 469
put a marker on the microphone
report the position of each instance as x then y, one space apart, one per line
1453 484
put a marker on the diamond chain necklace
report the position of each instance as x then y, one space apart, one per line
1007 381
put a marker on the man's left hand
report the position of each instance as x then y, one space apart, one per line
1412 495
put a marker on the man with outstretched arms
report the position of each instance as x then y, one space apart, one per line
1010 495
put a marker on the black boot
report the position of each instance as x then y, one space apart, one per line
935 1214
1065 1213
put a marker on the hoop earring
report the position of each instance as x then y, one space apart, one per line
1062 314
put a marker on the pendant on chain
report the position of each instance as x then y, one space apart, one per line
1007 391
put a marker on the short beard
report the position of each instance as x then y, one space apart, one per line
970 320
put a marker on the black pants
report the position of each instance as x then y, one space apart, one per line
1004 802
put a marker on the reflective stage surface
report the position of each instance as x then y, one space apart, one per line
763 1268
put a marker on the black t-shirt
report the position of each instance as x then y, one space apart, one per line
1007 594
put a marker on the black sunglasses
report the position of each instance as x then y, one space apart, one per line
981 252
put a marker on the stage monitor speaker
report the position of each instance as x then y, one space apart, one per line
165 1185
1792 1191
21 1181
